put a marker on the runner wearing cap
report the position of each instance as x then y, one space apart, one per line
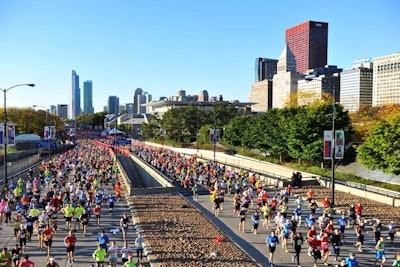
51 263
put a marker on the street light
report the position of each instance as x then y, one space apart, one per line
5 131
333 89
48 125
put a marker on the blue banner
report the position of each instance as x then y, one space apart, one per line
46 144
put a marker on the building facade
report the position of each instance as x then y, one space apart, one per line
285 81
356 87
261 95
265 68
74 97
62 111
203 96
386 80
309 43
88 97
138 92
113 104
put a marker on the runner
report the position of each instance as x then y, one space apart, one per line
360 236
103 240
139 247
391 231
99 255
255 219
84 220
112 254
77 213
298 242
40 230
130 262
48 238
272 241
351 261
316 250
52 263
69 242
195 190
97 212
126 251
336 243
16 255
124 223
26 262
242 219
380 251
22 236
111 200
396 262
5 258
68 214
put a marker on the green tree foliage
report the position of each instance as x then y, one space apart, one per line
93 119
152 128
381 150
289 133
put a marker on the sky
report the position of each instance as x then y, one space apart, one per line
163 46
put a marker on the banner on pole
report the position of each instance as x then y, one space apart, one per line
11 134
328 138
339 144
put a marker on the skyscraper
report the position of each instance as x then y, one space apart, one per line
113 104
356 86
62 111
88 97
136 106
74 106
203 96
285 80
309 43
386 85
265 68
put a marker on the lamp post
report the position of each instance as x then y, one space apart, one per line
5 130
215 131
333 90
48 125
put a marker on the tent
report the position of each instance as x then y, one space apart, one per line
27 137
114 131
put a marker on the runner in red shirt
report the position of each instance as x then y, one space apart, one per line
97 212
316 247
325 203
69 242
26 262
358 208
48 238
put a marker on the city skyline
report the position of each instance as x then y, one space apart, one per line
140 46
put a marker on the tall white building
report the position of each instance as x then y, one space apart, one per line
285 81
356 86
386 81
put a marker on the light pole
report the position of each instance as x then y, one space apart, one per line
5 130
215 130
333 90
48 125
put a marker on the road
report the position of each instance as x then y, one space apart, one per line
256 247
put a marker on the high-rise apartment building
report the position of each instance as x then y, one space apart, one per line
136 106
88 97
113 104
386 81
285 81
356 86
265 68
203 96
74 97
309 43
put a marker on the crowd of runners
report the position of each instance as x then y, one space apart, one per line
68 196
310 224
78 187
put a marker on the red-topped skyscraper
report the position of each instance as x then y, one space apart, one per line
309 43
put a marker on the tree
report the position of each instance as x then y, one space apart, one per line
381 150
152 128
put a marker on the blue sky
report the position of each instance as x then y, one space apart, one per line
163 46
